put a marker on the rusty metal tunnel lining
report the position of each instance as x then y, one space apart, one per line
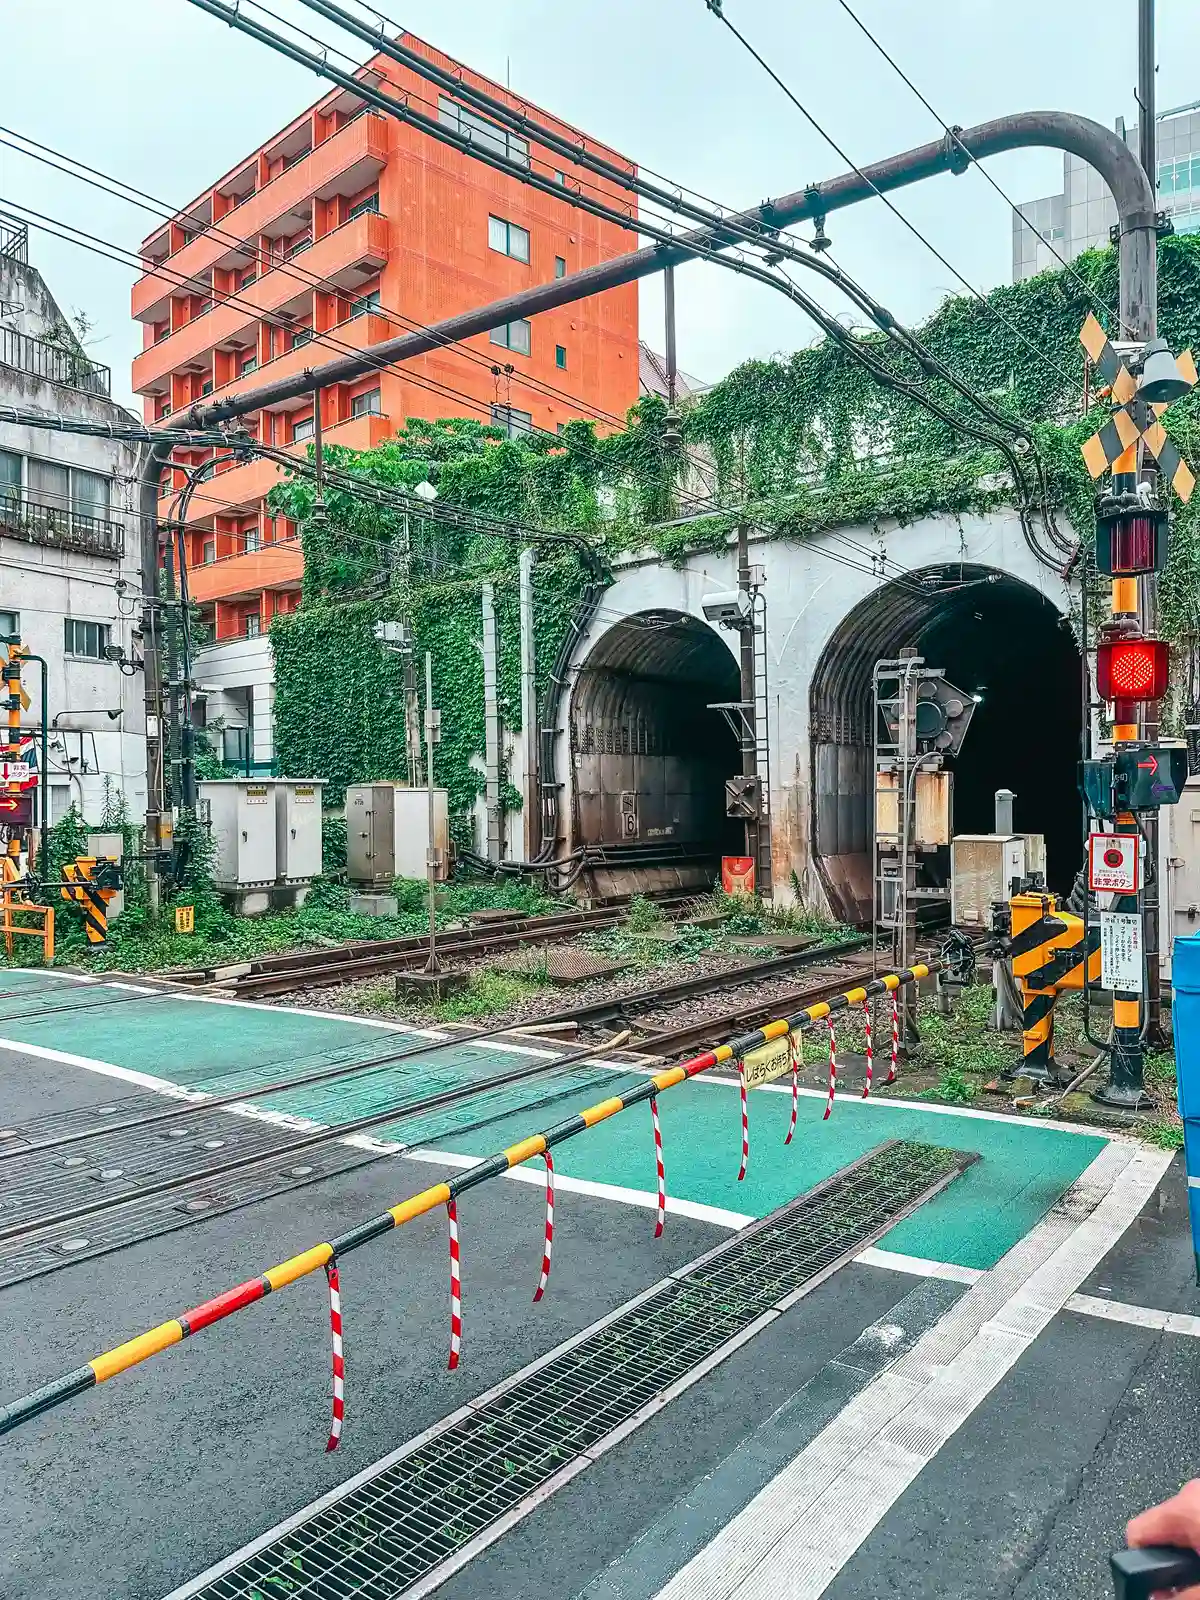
923 612
649 759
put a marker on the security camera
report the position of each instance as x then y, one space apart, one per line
729 609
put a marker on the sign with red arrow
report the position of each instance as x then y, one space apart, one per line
1150 765
16 810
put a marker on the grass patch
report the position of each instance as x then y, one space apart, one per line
953 1087
1166 1135
487 994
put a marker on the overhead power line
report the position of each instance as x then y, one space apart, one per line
717 9
970 155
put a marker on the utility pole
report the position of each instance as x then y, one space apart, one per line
491 726
529 711
746 692
433 731
1149 607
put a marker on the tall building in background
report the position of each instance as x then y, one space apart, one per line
345 229
1079 218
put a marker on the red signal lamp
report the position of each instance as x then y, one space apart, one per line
1132 669
1131 537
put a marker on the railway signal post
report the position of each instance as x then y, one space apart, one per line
1125 789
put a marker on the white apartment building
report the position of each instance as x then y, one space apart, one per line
70 548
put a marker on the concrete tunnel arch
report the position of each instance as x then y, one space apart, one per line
994 635
648 757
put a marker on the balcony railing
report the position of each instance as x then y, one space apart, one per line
53 363
14 239
25 515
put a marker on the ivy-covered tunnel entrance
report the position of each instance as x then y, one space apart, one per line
649 759
995 637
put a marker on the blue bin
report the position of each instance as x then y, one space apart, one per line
1185 1020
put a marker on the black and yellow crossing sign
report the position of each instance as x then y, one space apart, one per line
1133 418
89 884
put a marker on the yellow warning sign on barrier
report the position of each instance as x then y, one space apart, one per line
768 1062
185 919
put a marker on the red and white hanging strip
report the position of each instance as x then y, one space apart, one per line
891 1077
869 1049
455 1286
745 1121
662 1171
796 1051
832 1069
339 1365
548 1248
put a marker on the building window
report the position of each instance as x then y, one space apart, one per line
513 422
367 303
163 332
479 131
10 624
367 405
247 278
251 625
89 639
10 481
508 239
560 357
371 203
89 493
560 266
207 386
560 178
250 540
208 552
249 365
301 244
302 430
512 336
301 336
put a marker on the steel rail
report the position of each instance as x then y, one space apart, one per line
195 1107
155 1340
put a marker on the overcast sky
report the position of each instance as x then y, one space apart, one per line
162 95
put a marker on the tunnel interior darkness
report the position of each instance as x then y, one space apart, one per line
649 758
994 636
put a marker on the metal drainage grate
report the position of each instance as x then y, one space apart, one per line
425 1507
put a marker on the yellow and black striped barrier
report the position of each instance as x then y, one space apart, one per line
88 887
320 1256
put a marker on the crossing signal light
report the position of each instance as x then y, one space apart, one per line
1131 537
1129 670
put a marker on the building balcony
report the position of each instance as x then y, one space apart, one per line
28 517
271 566
53 363
242 488
346 163
344 259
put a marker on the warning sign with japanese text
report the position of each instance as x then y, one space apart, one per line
1121 951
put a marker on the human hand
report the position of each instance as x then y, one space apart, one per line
1175 1522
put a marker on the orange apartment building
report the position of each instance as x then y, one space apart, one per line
344 229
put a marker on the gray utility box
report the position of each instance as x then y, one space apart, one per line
244 831
298 829
387 831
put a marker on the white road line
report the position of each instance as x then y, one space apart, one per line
799 1532
1090 1305
647 1199
917 1266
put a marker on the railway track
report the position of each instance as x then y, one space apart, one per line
86 1191
308 969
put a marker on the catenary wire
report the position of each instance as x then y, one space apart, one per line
717 9
952 134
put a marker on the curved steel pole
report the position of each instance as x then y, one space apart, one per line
1060 130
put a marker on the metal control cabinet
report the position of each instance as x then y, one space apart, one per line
387 830
298 829
244 831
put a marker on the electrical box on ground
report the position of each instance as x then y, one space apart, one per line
387 832
298 829
244 831
982 869
933 792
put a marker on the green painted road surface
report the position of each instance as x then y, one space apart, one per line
1024 1168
